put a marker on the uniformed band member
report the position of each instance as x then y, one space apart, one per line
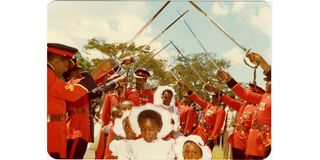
110 100
259 138
238 139
78 125
59 60
212 119
140 95
188 115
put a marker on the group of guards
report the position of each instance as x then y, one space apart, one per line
70 90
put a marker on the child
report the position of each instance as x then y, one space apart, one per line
120 148
191 147
165 98
127 105
153 123
107 135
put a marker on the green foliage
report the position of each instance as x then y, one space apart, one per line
200 63
197 69
84 63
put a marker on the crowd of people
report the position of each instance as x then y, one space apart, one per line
141 123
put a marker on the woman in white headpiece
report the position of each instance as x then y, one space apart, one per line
153 124
164 97
122 127
191 147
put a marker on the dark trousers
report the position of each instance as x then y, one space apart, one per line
255 157
55 155
76 148
238 153
267 151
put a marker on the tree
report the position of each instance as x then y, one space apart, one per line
200 62
145 59
204 68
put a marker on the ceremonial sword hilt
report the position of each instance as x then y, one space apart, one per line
247 51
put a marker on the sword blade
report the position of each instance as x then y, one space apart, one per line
148 23
218 26
166 28
202 46
187 62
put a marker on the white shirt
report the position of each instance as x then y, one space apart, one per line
175 116
171 109
231 118
156 150
121 148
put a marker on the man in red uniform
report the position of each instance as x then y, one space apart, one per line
78 126
259 138
238 139
188 115
139 95
212 120
110 100
59 60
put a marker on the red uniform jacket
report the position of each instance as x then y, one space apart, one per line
196 121
260 132
212 120
78 125
103 151
110 100
111 137
188 118
139 97
102 141
238 139
58 93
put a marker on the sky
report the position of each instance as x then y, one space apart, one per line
73 23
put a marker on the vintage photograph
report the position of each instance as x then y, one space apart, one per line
159 80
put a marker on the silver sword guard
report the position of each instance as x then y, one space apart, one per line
247 63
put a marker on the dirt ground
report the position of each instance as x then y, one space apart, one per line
89 154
